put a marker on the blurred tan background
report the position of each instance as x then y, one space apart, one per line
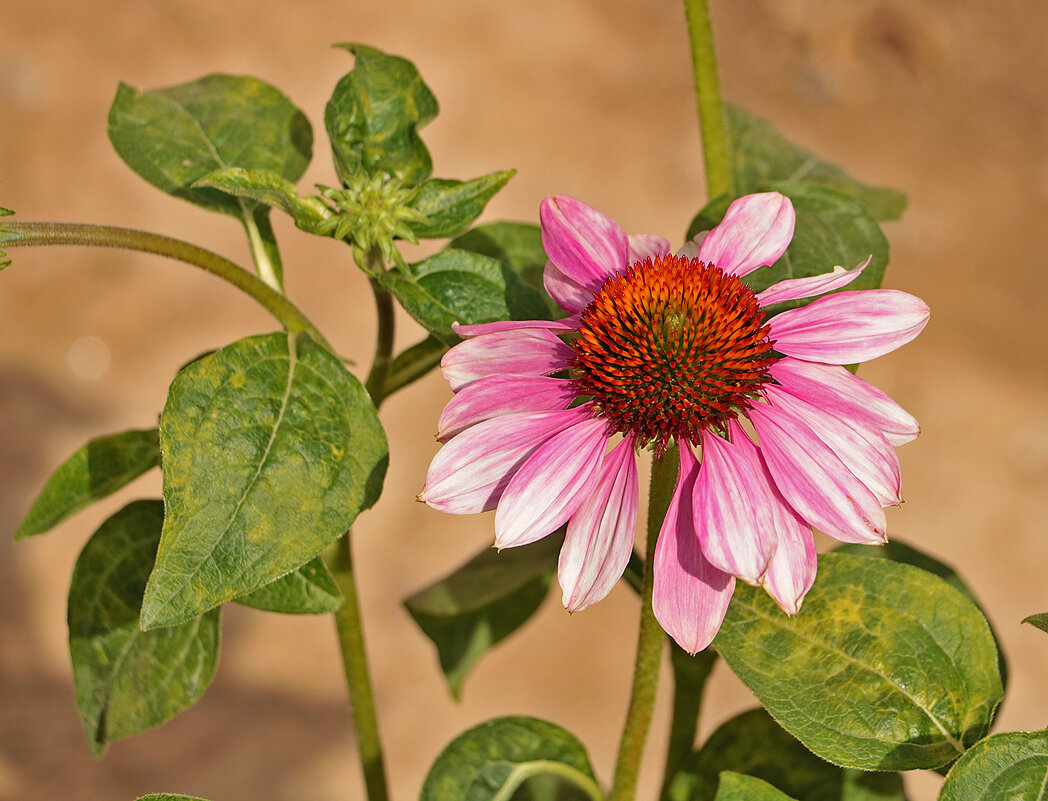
946 100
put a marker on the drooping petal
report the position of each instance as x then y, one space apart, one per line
792 569
814 481
551 485
690 595
732 515
470 473
530 351
849 327
647 246
600 534
847 396
692 248
480 329
796 288
866 453
570 295
584 244
755 232
499 395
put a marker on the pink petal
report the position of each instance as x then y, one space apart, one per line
755 232
846 396
499 395
866 453
796 288
479 329
552 484
600 534
849 327
732 515
692 248
585 245
690 595
647 246
530 351
792 569
570 295
470 473
814 481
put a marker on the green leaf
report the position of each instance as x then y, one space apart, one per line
270 188
169 797
491 761
412 363
5 236
128 680
754 744
736 787
98 469
270 450
832 229
887 667
1012 766
450 206
374 115
482 602
761 155
519 247
1039 620
310 590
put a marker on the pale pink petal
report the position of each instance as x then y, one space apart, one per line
470 473
551 485
584 244
732 516
600 534
814 481
647 246
480 329
866 453
530 351
499 395
570 295
849 327
792 569
796 288
847 396
755 232
690 595
692 248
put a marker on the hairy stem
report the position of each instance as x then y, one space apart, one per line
689 680
27 234
649 641
716 148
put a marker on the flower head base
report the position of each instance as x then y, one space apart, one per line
660 348
670 347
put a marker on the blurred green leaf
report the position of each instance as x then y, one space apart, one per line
450 206
414 362
374 115
128 680
5 236
310 590
1012 766
169 797
270 188
498 758
887 667
98 469
270 450
482 602
1039 620
736 787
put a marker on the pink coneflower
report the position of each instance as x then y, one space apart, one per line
548 417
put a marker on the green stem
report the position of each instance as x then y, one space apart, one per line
264 250
689 680
27 234
649 641
354 659
716 147
378 376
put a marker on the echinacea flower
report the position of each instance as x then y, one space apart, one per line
548 417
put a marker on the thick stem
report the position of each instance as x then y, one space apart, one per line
378 376
264 249
354 658
689 680
28 234
716 147
649 642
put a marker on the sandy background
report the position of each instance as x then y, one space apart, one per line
587 97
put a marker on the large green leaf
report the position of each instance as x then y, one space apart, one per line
480 603
1012 766
754 744
450 206
761 155
98 469
310 590
270 450
737 787
493 760
128 680
374 115
887 667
